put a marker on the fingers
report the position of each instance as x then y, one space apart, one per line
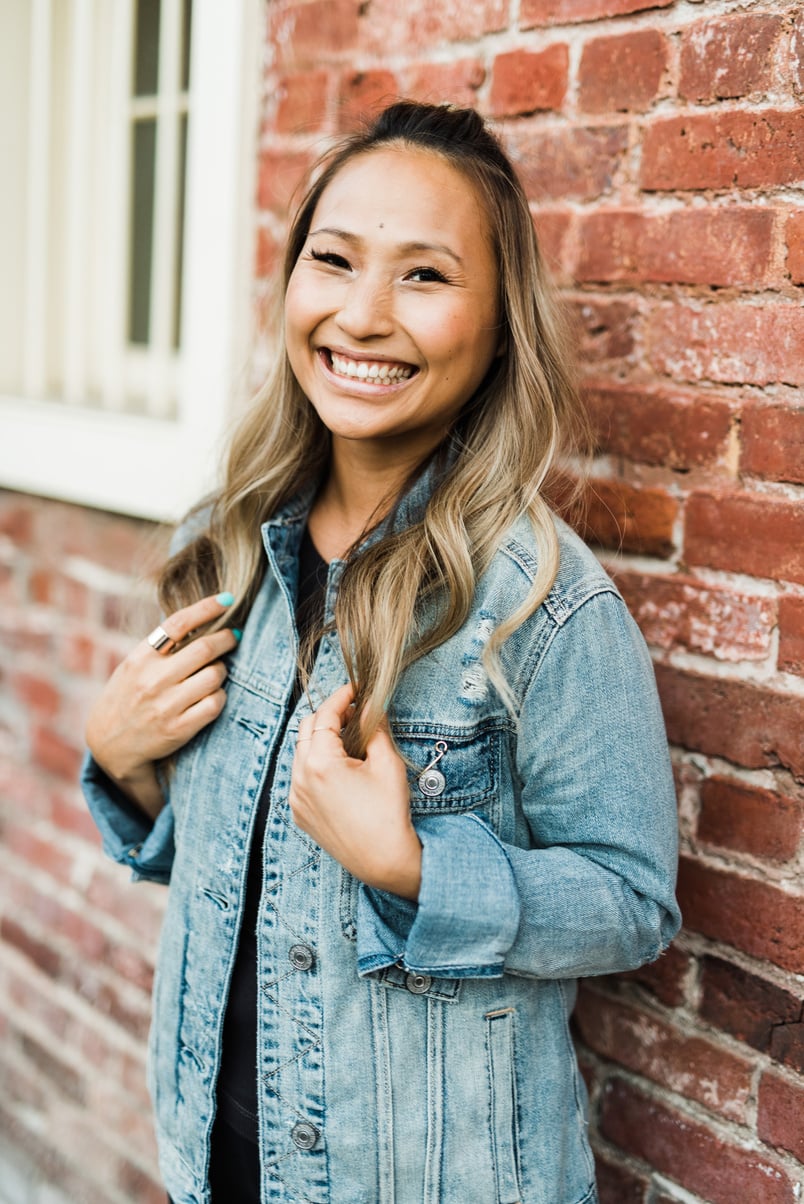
176 666
182 622
334 712
197 686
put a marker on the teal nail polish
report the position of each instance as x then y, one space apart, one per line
225 599
237 633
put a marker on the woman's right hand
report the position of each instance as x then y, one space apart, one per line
155 702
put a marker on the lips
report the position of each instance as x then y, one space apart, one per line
377 372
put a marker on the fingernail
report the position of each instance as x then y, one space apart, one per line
237 633
225 599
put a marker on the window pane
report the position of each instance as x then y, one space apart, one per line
142 230
146 58
177 293
187 25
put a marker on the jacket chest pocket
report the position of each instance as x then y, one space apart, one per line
451 769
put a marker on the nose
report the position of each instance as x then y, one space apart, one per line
367 309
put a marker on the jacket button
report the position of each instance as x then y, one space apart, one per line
301 957
418 984
304 1135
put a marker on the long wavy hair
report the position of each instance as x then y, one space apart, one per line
408 591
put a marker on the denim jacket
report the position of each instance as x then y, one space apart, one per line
415 1053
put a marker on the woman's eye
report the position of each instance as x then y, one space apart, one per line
331 258
427 276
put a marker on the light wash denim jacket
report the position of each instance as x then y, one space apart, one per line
415 1053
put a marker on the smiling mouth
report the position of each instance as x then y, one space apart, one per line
380 372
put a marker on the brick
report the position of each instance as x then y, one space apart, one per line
748 1007
71 815
36 693
524 81
728 57
752 915
749 725
568 163
53 753
65 1079
773 442
363 93
731 342
280 176
137 1185
644 1043
604 329
41 586
387 23
746 533
16 518
664 978
38 951
76 654
314 32
628 518
749 819
553 228
40 1143
561 12
25 632
796 59
791 635
794 237
41 852
302 102
623 72
780 1115
787 1045
268 254
110 895
719 246
678 428
735 149
456 82
688 1152
127 546
681 612
617 1185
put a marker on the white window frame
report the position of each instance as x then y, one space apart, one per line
149 466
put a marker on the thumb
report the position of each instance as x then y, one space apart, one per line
380 747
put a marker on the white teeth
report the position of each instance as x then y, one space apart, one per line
362 370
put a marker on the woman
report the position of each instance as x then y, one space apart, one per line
394 842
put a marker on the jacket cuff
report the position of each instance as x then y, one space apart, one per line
467 914
129 836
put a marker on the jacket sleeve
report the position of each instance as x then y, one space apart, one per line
594 891
129 836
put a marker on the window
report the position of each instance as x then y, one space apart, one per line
130 135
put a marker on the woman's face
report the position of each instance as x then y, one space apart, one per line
391 310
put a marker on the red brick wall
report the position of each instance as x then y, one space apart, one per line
663 148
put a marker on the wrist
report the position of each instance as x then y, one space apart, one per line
403 875
139 784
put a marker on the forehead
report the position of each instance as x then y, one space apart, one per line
405 194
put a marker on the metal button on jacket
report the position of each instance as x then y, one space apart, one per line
304 1135
301 957
417 984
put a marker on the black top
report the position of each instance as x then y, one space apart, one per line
237 1081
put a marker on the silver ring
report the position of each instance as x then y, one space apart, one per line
159 638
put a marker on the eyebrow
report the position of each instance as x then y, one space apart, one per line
405 248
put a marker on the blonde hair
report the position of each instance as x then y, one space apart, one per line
507 441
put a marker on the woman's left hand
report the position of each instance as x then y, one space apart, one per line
358 811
